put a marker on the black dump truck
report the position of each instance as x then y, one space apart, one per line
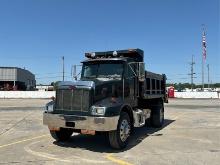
114 95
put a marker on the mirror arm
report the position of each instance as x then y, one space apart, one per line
132 70
73 72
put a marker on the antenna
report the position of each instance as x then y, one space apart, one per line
203 52
208 76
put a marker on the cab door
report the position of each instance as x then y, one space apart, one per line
130 85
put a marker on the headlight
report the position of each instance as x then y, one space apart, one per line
98 110
50 106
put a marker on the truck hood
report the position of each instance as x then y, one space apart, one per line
102 89
80 84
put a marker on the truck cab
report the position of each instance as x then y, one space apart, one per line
114 95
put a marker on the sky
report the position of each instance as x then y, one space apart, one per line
35 34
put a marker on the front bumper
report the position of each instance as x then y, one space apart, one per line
80 122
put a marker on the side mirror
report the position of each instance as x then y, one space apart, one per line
141 71
138 69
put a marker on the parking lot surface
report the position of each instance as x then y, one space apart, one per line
190 136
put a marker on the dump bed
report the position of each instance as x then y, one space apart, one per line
153 86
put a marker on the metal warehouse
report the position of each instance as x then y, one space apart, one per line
14 78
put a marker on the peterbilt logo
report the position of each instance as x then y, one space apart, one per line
72 87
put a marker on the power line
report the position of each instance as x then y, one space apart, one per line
51 77
48 73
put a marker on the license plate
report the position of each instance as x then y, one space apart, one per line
54 128
88 132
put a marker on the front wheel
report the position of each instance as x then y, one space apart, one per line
118 139
62 135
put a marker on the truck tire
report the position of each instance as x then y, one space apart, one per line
118 139
62 135
157 116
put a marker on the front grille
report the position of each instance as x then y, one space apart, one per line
72 100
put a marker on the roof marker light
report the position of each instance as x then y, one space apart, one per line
115 53
131 50
92 55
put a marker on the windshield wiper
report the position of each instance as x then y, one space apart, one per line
89 77
114 76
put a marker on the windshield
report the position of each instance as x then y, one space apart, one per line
103 70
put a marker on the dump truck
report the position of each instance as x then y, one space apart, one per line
113 95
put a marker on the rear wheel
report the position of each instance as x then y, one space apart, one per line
157 115
118 139
62 135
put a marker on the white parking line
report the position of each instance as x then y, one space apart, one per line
76 159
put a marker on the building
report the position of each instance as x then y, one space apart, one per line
13 78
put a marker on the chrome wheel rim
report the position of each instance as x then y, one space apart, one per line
124 130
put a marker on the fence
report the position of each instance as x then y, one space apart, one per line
196 94
27 94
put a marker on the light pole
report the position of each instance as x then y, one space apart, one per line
63 67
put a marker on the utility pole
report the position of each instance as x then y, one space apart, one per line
63 67
192 72
208 76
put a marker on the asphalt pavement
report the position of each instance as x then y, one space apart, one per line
190 136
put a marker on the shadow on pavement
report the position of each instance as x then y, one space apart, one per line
99 143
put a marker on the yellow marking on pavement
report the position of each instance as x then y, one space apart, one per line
118 161
21 141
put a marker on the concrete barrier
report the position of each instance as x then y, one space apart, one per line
49 94
196 95
27 94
